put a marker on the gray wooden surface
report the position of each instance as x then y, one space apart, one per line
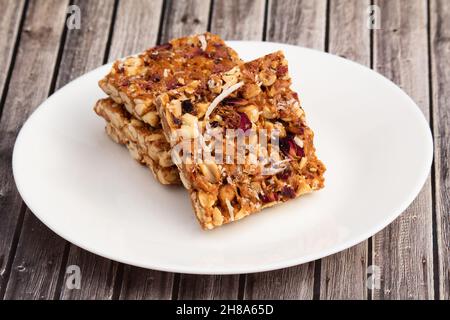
38 55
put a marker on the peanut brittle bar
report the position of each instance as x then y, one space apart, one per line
146 144
137 81
253 97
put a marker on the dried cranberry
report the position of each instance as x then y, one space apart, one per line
283 175
264 198
234 101
194 52
214 124
187 106
220 67
172 84
155 78
125 83
299 151
164 46
245 122
288 192
290 148
281 71
269 197
221 52
147 85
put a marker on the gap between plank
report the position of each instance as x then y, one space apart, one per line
210 15
433 169
161 22
13 58
62 271
111 31
175 286
318 263
12 252
266 20
370 240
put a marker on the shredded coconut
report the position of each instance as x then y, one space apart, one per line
298 141
166 73
225 93
275 167
230 209
203 42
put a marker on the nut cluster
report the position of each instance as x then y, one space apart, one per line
229 191
137 81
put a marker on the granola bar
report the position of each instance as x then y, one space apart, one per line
252 97
137 81
146 144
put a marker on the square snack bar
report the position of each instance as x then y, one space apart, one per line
146 144
137 81
254 95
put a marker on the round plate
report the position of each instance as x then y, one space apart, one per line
372 137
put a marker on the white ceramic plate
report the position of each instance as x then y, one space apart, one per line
372 137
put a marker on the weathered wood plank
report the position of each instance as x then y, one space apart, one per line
184 17
136 27
83 50
9 27
98 276
29 85
144 284
302 23
36 265
208 287
440 57
343 275
403 250
286 284
238 19
231 20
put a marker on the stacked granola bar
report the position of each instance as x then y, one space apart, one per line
234 133
135 82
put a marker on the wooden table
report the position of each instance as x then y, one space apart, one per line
39 54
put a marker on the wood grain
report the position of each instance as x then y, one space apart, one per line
286 284
136 27
343 275
144 284
35 62
98 276
404 250
299 22
238 19
184 17
83 50
302 23
440 57
9 27
33 259
208 287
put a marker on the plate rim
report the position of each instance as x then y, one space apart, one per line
284 263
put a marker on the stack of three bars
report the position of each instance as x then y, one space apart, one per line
179 93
